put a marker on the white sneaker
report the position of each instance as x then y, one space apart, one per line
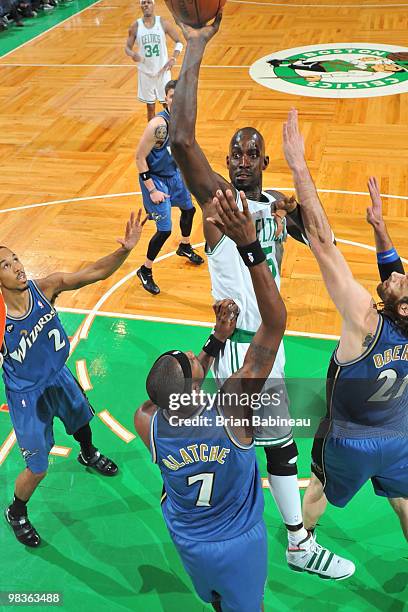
310 557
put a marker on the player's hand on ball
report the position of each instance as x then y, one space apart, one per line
157 197
226 313
374 212
134 228
237 225
205 33
293 143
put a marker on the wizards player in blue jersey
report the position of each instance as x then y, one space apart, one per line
39 386
364 434
213 501
163 187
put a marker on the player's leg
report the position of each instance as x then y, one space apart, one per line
146 93
32 422
181 197
314 503
400 506
75 412
151 111
161 215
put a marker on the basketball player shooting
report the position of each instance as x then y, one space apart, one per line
213 501
364 434
272 214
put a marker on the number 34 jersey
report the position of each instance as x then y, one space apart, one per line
35 347
368 397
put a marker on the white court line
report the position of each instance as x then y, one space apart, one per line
317 6
7 445
19 65
49 29
208 324
117 428
82 375
133 193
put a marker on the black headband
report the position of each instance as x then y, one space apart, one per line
185 365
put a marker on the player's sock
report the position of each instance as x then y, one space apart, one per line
84 437
18 507
296 535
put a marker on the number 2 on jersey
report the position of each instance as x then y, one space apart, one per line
206 489
59 344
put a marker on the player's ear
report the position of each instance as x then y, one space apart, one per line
265 162
228 161
403 309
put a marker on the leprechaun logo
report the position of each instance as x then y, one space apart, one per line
343 70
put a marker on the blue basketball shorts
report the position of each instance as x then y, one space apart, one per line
32 414
231 571
344 465
179 196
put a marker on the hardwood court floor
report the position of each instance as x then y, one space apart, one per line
71 122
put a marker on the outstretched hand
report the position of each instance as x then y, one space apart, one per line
134 228
237 225
226 313
293 143
205 33
374 212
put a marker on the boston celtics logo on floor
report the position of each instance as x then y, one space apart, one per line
342 70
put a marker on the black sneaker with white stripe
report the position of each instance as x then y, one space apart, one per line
186 250
146 278
23 529
100 463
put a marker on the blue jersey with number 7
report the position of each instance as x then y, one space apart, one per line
368 397
36 346
212 487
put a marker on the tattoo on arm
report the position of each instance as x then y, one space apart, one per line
160 133
259 356
368 340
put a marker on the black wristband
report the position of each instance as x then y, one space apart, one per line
145 176
252 254
213 346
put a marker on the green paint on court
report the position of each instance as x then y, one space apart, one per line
106 547
14 36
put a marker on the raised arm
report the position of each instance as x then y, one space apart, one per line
201 180
240 227
130 43
155 133
351 299
388 260
58 282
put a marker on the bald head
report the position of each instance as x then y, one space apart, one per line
247 161
246 135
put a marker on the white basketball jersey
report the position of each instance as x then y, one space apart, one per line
230 278
152 46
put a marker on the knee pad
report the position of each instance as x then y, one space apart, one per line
186 221
156 244
281 460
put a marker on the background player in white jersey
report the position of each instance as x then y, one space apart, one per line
246 162
39 385
153 63
364 434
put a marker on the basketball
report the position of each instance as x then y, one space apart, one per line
195 13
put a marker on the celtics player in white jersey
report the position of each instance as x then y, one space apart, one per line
153 63
273 215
